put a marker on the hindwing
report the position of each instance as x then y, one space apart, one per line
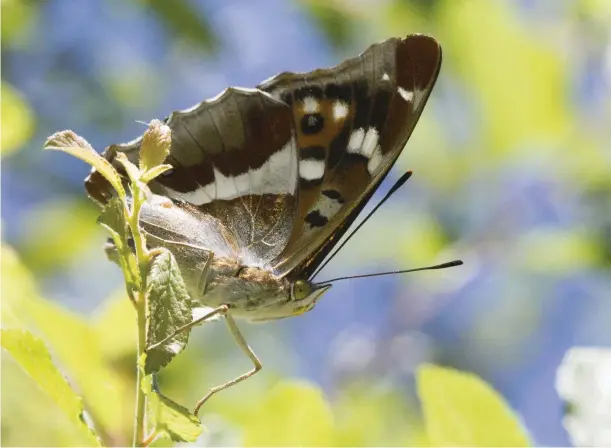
284 169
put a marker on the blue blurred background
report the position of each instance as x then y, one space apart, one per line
512 174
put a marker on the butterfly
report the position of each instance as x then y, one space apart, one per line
266 181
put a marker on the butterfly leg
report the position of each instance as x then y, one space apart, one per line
211 315
235 331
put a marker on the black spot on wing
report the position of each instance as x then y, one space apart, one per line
315 219
334 194
312 124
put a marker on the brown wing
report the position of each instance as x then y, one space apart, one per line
234 157
352 122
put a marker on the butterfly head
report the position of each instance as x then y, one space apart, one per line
305 294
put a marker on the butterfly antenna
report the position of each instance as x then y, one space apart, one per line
392 190
404 271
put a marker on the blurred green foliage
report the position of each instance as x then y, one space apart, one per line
458 409
17 120
516 84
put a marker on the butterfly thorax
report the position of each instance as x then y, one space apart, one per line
245 289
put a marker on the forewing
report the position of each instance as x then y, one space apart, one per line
234 158
352 122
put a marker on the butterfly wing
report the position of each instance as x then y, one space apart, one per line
352 122
234 158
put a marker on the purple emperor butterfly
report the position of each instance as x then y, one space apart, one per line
266 181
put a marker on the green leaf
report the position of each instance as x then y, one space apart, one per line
72 340
48 243
462 410
154 172
133 172
71 143
292 414
185 22
174 420
17 119
113 219
535 108
32 355
155 146
336 24
169 310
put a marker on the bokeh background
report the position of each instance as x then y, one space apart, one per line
512 174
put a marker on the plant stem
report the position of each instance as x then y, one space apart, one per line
139 421
141 309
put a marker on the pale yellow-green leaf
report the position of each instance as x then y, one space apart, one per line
460 409
17 120
117 314
73 144
58 232
133 172
154 172
174 420
155 146
292 414
34 358
18 18
553 250
517 79
374 416
73 342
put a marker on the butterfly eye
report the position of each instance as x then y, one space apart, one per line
301 289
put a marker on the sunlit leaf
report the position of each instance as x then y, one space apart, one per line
462 410
17 121
116 313
366 415
133 172
555 250
57 232
292 414
185 21
24 402
169 310
75 344
154 172
73 144
517 79
155 146
334 22
174 420
33 357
